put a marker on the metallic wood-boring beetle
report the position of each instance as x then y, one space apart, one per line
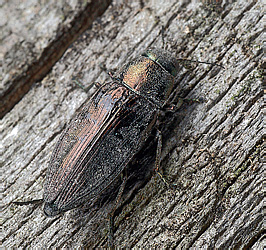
108 131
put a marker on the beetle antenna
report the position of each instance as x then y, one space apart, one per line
214 64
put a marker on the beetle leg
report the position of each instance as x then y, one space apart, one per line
174 107
162 33
198 100
158 152
158 169
158 157
111 214
86 89
22 203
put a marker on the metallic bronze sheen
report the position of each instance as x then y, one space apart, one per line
105 134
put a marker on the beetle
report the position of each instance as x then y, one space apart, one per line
108 131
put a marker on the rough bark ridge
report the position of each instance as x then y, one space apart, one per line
35 36
212 151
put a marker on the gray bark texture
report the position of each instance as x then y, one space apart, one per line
212 150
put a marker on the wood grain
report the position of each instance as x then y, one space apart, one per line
212 151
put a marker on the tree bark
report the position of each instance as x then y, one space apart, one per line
212 150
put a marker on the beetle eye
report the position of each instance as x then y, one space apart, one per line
149 54
164 59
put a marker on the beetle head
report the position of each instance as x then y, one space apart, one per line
164 59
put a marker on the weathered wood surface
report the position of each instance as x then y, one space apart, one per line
213 151
34 36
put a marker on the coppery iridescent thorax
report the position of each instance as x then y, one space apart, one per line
149 78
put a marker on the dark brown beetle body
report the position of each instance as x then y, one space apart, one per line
108 131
